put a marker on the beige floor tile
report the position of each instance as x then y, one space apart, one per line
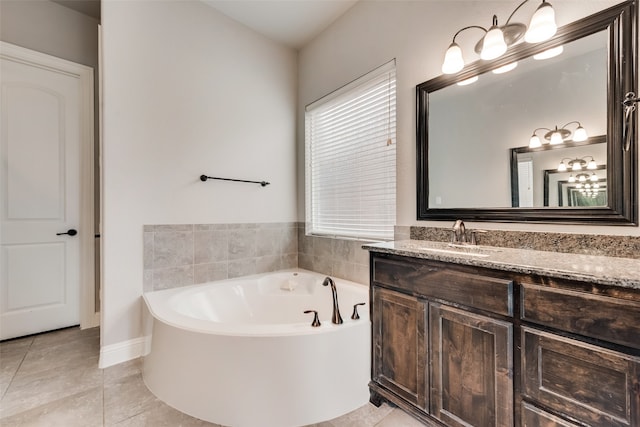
20 345
31 390
115 373
399 418
63 358
125 398
78 410
365 416
323 424
64 336
161 415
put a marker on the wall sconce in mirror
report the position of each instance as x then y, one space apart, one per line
558 136
577 164
549 53
497 39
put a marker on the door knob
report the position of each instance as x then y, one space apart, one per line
70 232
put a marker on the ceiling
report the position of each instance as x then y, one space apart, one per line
290 22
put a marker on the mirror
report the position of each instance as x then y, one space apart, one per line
535 175
471 138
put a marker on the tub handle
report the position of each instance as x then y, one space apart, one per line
355 315
316 320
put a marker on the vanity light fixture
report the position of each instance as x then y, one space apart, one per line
588 190
505 68
588 185
577 164
549 53
497 38
468 81
558 136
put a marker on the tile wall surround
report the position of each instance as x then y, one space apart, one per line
187 254
586 244
341 258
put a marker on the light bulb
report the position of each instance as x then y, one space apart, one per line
592 165
493 45
596 185
580 134
562 167
505 68
594 178
468 81
582 178
543 24
453 61
572 178
556 138
534 142
577 166
578 185
549 53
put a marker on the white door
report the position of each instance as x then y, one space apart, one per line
41 132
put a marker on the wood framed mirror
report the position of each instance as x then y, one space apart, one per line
465 136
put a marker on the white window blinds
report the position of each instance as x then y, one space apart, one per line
350 138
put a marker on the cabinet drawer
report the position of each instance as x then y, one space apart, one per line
610 319
596 386
462 285
536 417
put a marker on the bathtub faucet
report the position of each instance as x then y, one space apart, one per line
335 318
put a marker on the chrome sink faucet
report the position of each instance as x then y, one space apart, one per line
458 235
335 317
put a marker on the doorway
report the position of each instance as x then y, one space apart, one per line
47 193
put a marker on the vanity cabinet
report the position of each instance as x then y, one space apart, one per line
460 345
442 342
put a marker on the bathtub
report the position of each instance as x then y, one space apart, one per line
242 353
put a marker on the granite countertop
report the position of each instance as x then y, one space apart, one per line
622 272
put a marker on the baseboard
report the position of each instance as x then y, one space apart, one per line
123 351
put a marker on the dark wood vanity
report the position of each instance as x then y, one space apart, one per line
466 345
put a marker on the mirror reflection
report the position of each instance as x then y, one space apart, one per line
473 128
565 175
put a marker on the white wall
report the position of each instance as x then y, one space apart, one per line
187 91
49 28
416 33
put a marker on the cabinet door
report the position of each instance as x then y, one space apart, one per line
471 368
400 345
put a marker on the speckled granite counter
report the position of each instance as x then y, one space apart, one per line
623 272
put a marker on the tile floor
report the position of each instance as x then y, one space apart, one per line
53 380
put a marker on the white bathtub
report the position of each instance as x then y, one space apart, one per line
241 353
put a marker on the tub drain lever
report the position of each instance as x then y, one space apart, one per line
355 315
316 320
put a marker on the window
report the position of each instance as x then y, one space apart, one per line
350 139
